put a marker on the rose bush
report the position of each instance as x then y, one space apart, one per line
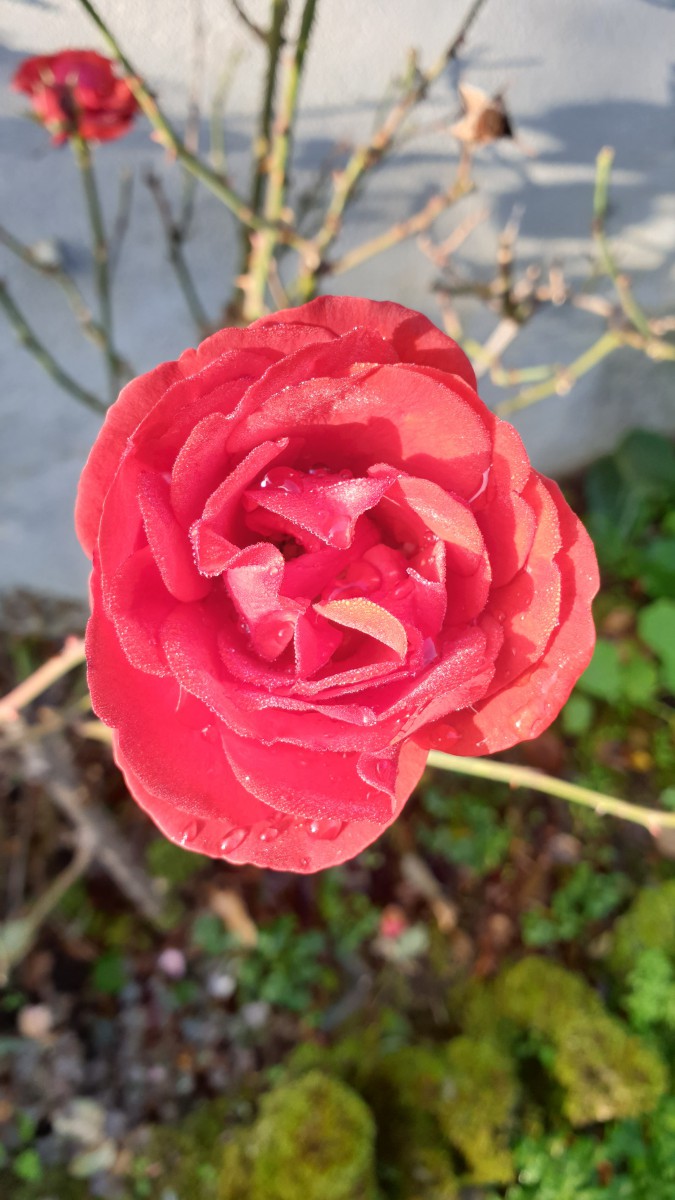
317 554
77 92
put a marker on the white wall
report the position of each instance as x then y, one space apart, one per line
578 74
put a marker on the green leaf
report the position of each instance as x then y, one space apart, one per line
646 461
639 679
602 677
656 567
210 935
577 715
656 627
110 973
27 1166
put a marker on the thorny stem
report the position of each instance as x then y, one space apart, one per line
54 271
174 233
563 379
34 346
167 136
83 158
262 246
367 155
484 768
261 146
629 304
417 223
256 30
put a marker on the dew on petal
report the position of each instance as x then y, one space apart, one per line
338 532
233 840
403 589
269 834
319 469
190 833
429 651
285 479
326 829
273 633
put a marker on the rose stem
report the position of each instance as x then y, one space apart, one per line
56 272
367 155
274 41
40 352
83 159
516 776
174 233
263 245
168 137
415 224
629 304
29 689
256 30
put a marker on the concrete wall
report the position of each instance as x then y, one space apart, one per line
578 74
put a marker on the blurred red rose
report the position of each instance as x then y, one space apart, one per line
316 555
77 92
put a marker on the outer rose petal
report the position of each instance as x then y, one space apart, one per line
526 707
300 846
414 337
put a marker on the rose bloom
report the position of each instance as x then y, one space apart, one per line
77 92
316 555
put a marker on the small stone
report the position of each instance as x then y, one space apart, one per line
92 1162
172 962
35 1021
221 986
255 1014
82 1120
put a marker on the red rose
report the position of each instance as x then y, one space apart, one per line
77 92
316 555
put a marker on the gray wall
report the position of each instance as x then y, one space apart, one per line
578 74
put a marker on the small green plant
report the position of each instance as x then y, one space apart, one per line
587 896
467 830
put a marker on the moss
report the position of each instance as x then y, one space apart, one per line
605 1071
53 1182
476 1107
189 1154
313 1140
649 924
404 1092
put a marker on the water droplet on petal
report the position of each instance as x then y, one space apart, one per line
319 469
269 834
403 589
304 863
285 479
429 651
233 840
326 829
273 633
338 532
189 834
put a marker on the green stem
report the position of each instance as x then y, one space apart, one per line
34 346
168 137
53 271
631 309
263 246
600 349
403 229
83 158
484 768
175 237
366 156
